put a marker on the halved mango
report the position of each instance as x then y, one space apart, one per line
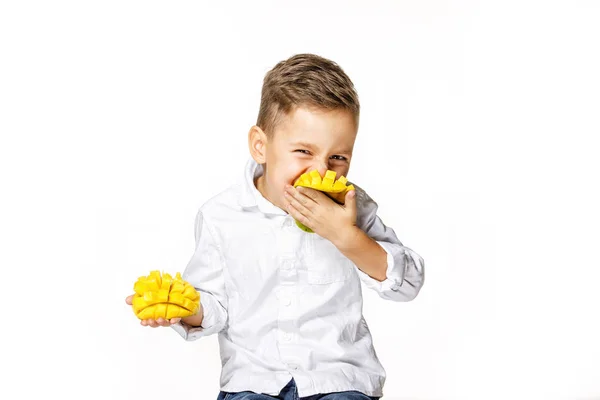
336 189
161 296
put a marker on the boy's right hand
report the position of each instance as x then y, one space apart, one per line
151 322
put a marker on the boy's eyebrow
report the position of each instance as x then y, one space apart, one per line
313 147
304 144
346 151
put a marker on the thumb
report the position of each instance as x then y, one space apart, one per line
350 201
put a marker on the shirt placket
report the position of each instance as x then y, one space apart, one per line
288 241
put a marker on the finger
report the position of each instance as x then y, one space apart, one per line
163 322
298 205
311 193
320 197
293 211
298 216
152 323
350 201
175 320
129 300
299 195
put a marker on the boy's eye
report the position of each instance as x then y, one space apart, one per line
341 158
303 151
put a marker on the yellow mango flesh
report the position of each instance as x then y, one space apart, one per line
336 189
162 296
327 184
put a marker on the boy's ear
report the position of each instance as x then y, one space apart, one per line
257 142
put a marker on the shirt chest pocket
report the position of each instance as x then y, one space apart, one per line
325 264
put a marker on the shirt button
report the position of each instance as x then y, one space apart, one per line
286 301
287 336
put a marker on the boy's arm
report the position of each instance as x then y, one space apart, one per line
205 272
394 271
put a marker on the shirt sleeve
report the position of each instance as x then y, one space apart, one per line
405 272
205 272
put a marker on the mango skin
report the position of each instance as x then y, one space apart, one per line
335 189
162 296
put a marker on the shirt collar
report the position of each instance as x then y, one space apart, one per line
250 196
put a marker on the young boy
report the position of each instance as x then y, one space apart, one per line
287 304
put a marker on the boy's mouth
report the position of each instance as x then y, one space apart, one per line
335 189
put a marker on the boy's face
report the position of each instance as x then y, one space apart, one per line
305 139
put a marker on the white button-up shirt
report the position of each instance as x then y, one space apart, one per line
286 303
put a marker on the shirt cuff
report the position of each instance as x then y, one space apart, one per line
213 321
405 274
394 274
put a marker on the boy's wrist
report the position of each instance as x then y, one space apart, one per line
347 239
364 252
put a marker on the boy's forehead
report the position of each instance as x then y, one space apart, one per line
328 141
309 128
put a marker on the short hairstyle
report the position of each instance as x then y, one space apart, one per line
304 80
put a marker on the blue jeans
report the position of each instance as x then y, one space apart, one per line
290 392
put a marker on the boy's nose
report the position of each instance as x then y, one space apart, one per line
321 167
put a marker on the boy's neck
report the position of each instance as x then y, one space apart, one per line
260 186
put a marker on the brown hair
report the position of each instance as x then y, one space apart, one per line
304 80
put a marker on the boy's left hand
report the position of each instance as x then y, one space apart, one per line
320 213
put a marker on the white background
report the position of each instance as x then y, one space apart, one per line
477 138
